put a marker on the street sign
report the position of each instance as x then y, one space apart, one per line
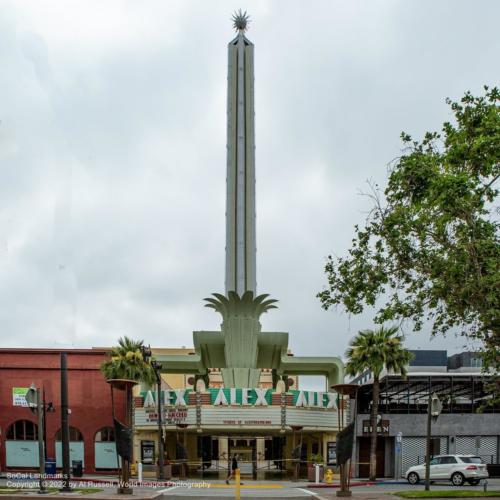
31 398
19 396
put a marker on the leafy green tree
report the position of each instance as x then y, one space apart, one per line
430 246
375 350
127 362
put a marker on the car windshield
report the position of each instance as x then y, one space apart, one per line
471 460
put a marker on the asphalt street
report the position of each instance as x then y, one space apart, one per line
286 489
275 489
250 491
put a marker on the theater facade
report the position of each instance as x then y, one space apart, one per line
253 410
261 425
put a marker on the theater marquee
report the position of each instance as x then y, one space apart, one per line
237 408
242 397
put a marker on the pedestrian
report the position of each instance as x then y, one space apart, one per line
231 471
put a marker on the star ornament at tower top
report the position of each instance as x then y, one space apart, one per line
240 20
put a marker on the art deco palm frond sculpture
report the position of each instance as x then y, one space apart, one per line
241 328
246 305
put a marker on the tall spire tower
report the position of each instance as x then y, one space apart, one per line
240 201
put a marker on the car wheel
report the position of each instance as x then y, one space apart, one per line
413 478
457 479
473 482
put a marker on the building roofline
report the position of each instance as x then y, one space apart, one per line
440 374
45 350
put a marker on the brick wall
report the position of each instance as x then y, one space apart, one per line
89 394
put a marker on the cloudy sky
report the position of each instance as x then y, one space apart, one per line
112 154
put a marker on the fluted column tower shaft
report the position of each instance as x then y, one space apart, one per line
240 202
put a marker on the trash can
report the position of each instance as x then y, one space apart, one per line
77 466
50 467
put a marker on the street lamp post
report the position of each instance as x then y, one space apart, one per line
434 408
47 408
147 355
35 403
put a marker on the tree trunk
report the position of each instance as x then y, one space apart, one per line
373 423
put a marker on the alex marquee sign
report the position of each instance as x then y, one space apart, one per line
310 399
242 397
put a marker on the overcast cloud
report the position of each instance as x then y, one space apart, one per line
112 154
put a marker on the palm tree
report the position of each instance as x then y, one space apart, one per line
375 350
127 362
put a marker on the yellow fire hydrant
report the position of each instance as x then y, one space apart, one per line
133 469
329 476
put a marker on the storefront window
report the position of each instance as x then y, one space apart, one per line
22 430
315 448
74 435
105 434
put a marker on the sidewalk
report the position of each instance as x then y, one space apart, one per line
355 494
102 495
154 483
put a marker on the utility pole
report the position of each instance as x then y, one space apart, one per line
44 425
65 423
160 430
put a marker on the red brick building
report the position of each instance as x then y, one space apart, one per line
90 420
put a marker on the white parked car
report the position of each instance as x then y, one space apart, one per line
454 468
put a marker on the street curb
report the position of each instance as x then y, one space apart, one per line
114 481
327 486
94 496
